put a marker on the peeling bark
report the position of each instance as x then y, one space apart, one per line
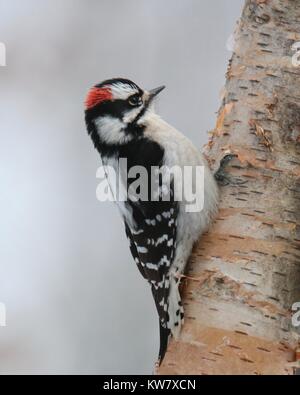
244 274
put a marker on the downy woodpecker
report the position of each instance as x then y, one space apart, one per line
122 123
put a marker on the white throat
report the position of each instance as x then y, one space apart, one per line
111 130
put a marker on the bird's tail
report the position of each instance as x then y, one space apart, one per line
175 308
170 311
160 296
164 334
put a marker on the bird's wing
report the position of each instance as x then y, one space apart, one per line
151 227
153 245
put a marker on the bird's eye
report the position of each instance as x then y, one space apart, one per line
135 100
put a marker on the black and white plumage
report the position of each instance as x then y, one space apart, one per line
123 124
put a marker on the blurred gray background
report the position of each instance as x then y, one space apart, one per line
75 300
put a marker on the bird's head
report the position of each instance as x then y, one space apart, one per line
115 109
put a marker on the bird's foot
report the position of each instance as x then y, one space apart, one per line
179 276
222 177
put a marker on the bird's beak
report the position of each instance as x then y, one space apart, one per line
155 92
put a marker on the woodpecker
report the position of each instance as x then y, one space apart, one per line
122 123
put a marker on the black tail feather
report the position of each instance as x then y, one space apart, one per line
164 334
161 294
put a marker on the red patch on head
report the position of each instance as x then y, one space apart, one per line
97 96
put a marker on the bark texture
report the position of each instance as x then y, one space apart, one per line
246 269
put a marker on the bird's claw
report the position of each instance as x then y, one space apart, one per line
179 276
222 177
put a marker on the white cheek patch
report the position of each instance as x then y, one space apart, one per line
122 91
111 130
131 115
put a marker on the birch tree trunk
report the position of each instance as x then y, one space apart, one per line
246 269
